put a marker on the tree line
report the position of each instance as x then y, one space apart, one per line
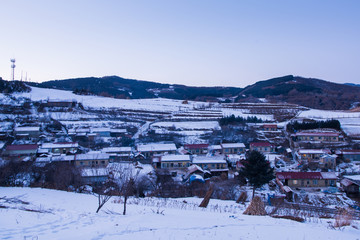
296 126
232 120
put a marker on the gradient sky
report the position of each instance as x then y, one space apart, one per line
192 42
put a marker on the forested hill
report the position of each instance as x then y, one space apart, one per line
134 89
308 92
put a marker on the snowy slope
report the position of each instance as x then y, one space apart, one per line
54 214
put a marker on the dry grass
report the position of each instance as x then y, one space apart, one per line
256 207
242 198
343 218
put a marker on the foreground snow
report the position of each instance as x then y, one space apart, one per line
54 214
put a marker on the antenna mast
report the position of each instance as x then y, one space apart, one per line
13 68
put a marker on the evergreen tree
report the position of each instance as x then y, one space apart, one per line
257 170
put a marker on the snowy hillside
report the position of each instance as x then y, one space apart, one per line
48 214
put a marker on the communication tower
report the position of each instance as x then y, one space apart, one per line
13 68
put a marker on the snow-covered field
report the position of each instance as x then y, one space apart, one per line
155 104
50 214
327 114
190 125
244 113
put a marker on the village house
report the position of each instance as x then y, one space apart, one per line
307 179
269 127
94 175
351 185
197 148
60 147
60 103
216 165
21 150
101 132
62 158
117 132
318 136
310 155
215 149
27 132
92 160
234 160
118 153
232 148
175 161
349 155
264 147
156 149
328 161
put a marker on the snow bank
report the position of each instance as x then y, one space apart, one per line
50 214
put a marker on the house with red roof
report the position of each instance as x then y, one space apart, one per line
264 147
349 154
307 179
197 148
269 127
21 150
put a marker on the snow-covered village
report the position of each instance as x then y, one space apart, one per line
93 167
175 120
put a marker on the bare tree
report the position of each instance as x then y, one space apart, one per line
105 191
125 177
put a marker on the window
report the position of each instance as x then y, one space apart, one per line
295 182
103 162
315 182
332 183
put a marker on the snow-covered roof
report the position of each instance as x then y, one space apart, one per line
353 177
94 172
327 134
60 145
313 151
215 147
62 158
233 145
92 156
118 130
202 159
116 149
100 130
175 158
27 129
156 147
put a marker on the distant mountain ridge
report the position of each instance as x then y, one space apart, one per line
308 92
